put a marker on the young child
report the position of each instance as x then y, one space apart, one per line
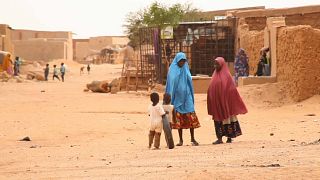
62 71
155 112
168 107
46 72
55 72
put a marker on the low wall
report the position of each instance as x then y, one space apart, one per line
40 49
200 84
298 61
256 80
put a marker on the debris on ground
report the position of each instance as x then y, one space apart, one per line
25 139
310 114
35 76
269 165
316 142
99 86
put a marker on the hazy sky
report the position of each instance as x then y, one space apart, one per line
87 18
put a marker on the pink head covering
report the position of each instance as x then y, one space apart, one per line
223 99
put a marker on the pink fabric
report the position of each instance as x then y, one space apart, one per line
223 99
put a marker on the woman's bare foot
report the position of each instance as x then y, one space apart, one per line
194 143
180 143
218 142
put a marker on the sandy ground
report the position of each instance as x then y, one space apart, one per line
84 135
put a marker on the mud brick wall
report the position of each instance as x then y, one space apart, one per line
251 42
298 61
256 23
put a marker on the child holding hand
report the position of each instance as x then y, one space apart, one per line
156 113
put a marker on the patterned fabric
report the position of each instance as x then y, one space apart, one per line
185 121
229 128
241 65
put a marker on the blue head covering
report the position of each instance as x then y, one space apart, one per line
179 85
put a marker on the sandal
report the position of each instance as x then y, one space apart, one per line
218 142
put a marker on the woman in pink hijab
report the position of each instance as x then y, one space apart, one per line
224 102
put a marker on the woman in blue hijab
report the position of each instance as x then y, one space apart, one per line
179 86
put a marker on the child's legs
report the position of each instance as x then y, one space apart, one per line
158 129
62 76
151 137
157 139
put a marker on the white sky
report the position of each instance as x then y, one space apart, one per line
89 18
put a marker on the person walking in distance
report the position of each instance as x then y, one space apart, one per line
46 72
55 72
62 71
88 68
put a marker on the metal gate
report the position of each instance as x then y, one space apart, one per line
150 54
200 41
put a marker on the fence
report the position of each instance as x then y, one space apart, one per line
200 41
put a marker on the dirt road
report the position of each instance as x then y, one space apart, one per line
83 135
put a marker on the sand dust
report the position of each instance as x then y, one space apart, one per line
84 135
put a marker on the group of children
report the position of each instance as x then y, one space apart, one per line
156 114
56 71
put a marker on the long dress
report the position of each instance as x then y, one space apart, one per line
179 86
241 66
224 102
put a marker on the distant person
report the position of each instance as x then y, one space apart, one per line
7 64
224 103
16 66
179 86
266 61
260 68
10 67
46 72
62 71
241 66
81 70
55 72
168 107
88 68
156 113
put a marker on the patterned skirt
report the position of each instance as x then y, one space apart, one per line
229 128
185 121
